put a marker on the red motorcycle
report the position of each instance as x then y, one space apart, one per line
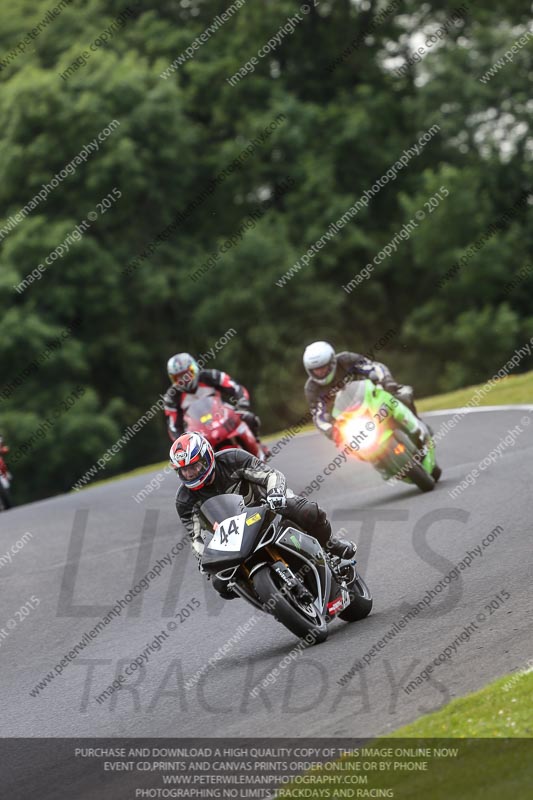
5 479
221 425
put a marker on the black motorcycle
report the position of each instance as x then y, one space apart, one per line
279 568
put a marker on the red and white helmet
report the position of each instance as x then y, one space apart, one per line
193 458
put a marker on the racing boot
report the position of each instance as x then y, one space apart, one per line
405 395
341 548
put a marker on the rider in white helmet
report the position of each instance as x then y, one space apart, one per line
329 371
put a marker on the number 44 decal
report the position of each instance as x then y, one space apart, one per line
228 535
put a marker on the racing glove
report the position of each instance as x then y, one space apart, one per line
373 372
276 499
322 419
326 428
242 402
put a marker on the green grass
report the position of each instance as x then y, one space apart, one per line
491 712
513 389
491 728
159 467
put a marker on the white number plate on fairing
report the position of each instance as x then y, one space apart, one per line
228 535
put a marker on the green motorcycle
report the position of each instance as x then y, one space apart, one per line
374 426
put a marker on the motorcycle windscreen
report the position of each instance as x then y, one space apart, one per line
211 417
236 530
351 397
201 410
202 393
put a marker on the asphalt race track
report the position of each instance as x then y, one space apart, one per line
89 548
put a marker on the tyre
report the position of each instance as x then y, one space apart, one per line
437 472
295 618
5 499
361 605
420 478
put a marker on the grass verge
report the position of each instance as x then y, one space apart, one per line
504 708
477 747
512 390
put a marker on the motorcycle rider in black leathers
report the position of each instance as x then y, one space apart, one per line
329 371
186 377
205 474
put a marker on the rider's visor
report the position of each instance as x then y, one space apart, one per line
321 372
182 378
192 471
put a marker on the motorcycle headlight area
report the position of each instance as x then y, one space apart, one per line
360 432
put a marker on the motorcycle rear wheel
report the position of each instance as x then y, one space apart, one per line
285 609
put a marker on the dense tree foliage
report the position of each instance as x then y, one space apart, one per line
270 161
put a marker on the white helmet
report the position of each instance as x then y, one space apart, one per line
320 362
184 372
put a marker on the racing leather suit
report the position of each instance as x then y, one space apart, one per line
230 390
350 367
238 472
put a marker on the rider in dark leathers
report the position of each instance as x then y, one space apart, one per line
238 472
328 372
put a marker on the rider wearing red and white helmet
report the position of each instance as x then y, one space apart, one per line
204 474
186 377
329 371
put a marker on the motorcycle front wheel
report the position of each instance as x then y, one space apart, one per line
361 604
420 478
299 619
